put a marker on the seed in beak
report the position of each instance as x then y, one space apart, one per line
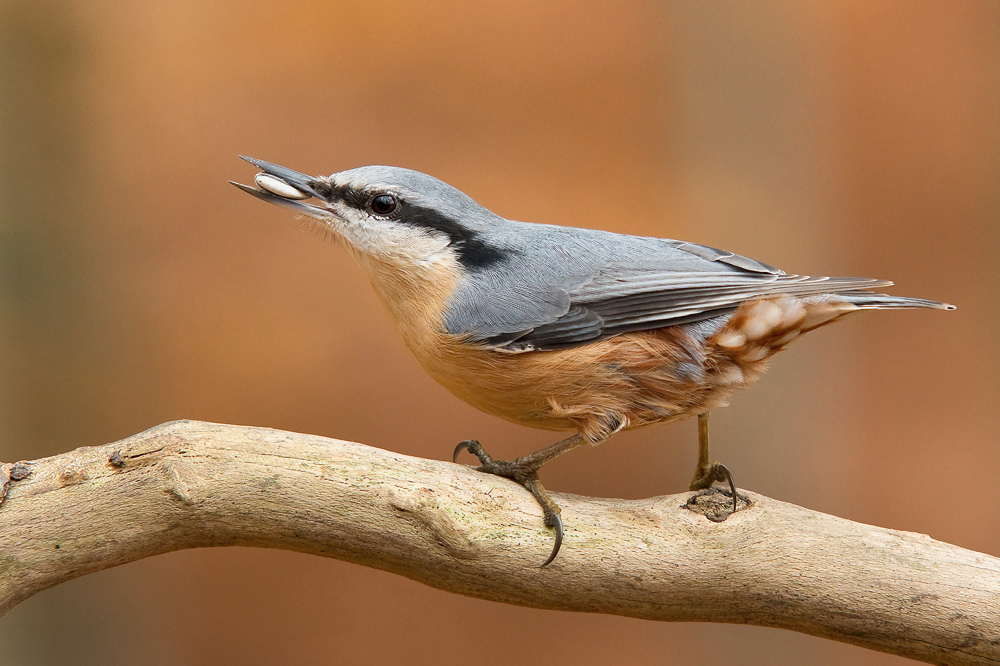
275 185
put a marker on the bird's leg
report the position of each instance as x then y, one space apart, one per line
705 474
524 471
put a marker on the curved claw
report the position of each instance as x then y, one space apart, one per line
462 446
722 474
523 471
556 521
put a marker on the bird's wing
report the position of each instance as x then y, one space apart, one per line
641 301
580 291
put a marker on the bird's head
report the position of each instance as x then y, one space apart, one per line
396 216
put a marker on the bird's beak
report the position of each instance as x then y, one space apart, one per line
284 187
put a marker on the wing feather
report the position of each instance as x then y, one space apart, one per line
673 299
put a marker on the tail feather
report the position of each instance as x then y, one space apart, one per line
868 301
763 327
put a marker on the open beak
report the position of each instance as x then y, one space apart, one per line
284 187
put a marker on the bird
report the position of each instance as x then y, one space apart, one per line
562 328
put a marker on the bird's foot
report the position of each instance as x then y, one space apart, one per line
523 471
705 476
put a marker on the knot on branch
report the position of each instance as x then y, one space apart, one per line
715 504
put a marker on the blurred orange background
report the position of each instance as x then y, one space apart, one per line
137 286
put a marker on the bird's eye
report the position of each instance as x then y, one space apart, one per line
383 204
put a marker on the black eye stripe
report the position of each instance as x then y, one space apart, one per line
472 252
348 195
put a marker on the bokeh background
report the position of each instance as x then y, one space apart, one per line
137 286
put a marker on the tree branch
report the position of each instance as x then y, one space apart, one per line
190 484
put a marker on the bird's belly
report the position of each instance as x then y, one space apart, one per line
624 382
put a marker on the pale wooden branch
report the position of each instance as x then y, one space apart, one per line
189 484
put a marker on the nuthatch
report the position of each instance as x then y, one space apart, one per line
562 328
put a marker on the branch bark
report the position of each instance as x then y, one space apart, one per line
189 484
